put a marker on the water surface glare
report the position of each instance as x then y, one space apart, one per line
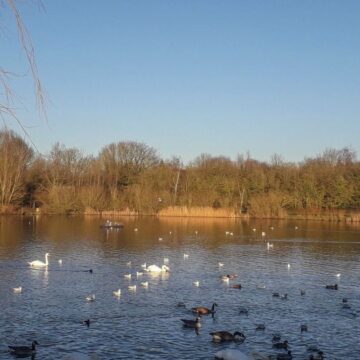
146 323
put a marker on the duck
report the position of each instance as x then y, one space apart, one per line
221 336
332 287
40 264
17 290
201 310
260 327
281 345
157 269
90 298
192 323
24 350
236 286
303 328
287 356
231 354
117 293
243 311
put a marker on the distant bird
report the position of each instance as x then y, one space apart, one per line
128 263
243 311
139 273
231 354
221 336
284 296
319 355
221 264
261 286
143 265
186 256
145 284
236 286
263 233
332 287
127 276
90 298
196 283
60 261
225 278
117 293
270 246
132 287
86 322
192 323
166 260
338 275
24 350
40 264
281 345
260 327
288 266
17 290
202 310
90 271
276 338
344 300
302 292
287 356
303 328
276 294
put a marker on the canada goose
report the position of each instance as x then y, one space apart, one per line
24 350
332 287
201 310
192 323
38 263
220 336
281 345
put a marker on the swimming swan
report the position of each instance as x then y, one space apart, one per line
157 269
38 263
117 293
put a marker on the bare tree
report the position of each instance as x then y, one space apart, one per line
8 100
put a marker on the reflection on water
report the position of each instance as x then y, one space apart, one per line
145 323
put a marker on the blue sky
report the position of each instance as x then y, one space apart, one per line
192 76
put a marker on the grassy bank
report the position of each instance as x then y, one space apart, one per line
204 212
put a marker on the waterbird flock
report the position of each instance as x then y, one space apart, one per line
196 324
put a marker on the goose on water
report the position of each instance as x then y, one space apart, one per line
192 323
202 310
221 336
157 269
24 350
38 263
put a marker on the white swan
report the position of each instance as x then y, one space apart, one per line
127 276
145 284
132 287
196 283
38 263
157 269
17 290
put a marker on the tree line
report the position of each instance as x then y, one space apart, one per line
131 175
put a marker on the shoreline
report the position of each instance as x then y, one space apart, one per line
343 216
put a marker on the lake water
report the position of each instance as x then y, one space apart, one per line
145 324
